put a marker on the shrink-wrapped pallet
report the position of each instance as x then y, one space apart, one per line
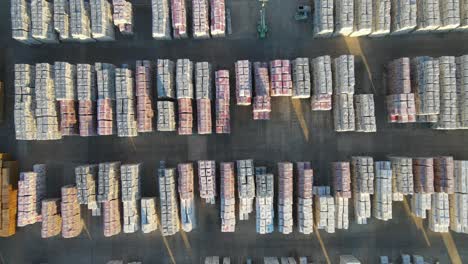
123 16
179 18
245 187
51 220
262 100
462 90
365 113
265 212
200 19
87 118
341 179
165 79
108 181
149 218
344 17
223 118
203 80
343 113
24 106
322 87
131 216
324 209
362 18
403 16
362 171
62 18
439 217
301 78
102 28
46 106
281 80
8 195
42 21
323 18
72 224
381 18
125 103
31 192
106 117
459 200
402 178
166 116
105 76
130 176
86 82
447 118
428 15
305 212
425 83
341 213
343 75
161 22
449 14
185 109
362 207
243 82
68 120
423 171
21 29
398 76
186 195
144 96
80 20
420 204
64 81
204 122
111 218
401 108
218 18
228 197
184 79
285 197
444 174
382 204
168 202
86 184
207 180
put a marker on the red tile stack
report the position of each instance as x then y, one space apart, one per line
341 179
218 18
144 96
68 120
185 116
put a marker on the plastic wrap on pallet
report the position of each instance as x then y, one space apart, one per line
203 80
108 181
144 96
403 16
341 179
301 78
324 209
131 216
428 15
125 103
123 16
401 108
105 117
362 18
31 192
344 17
179 18
382 204
68 119
423 171
165 79
349 259
218 18
200 19
362 207
168 202
24 107
184 79
111 218
265 212
285 197
86 82
80 20
343 75
343 113
149 217
207 180
262 100
447 118
166 116
8 195
62 18
322 88
461 176
381 18
186 195
228 197
204 122
87 118
439 216
365 113
105 75
72 224
161 23
64 81
420 204
245 187
362 171
42 21
323 18
463 15
243 82
101 20
305 180
20 11
185 116
425 83
462 90
86 184
444 174
51 220
402 179
281 79
341 213
223 123
398 76
449 14
459 200
130 176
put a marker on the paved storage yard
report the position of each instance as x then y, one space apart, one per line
293 134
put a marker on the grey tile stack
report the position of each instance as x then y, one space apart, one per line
344 81
21 21
200 19
425 84
86 91
349 259
462 90
179 18
403 16
402 179
161 23
245 187
42 21
130 176
125 97
322 87
223 116
108 181
444 174
365 113
24 107
166 116
144 95
149 217
323 18
439 217
344 17
459 200
301 78
51 220
217 260
243 82
341 172
207 180
72 224
324 209
423 171
447 118
165 79
187 196
428 15
305 211
265 212
168 200
31 192
362 172
382 204
86 177
362 18
123 16
102 28
281 79
381 18
285 197
65 93
203 90
184 79
449 14
80 20
463 15
262 99
228 197
218 18
401 106
105 75
62 18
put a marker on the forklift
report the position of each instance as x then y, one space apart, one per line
262 27
303 11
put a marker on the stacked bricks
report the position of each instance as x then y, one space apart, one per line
149 218
187 196
168 201
365 113
402 179
179 18
285 197
459 200
228 197
218 18
86 177
305 211
447 118
403 16
362 18
144 96
8 195
223 117
24 108
80 20
362 172
245 187
72 224
21 21
444 174
161 21
281 79
262 99
123 16
439 216
101 20
322 87
46 107
462 90
108 195
401 106
31 192
200 19
323 18
382 204
381 18
112 222
344 17
130 176
324 209
203 95
51 220
62 18
105 75
449 14
166 92
428 15
344 81
184 91
64 83
265 212
207 180
425 84
423 171
125 106
341 172
243 82
86 94
301 77
42 21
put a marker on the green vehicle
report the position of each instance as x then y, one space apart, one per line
262 27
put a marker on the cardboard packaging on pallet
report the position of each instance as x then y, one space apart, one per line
281 79
130 176
245 187
187 196
428 15
323 18
86 184
184 78
111 218
21 28
305 211
51 220
144 96
462 90
262 100
362 18
447 118
168 199
123 16
381 18
365 113
344 17
228 197
444 174
179 18
322 88
207 180
102 28
72 224
402 178
108 181
80 20
218 18
166 116
382 204
244 82
42 21
125 103
301 78
403 16
105 75
459 200
425 84
265 212
62 18
200 19
8 195
439 216
161 21
423 171
149 217
31 192
24 107
223 118
324 209
285 197
165 79
185 116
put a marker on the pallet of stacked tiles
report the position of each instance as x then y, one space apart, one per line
244 81
80 20
144 96
42 21
245 187
207 180
165 92
105 76
403 16
428 15
402 179
301 78
382 205
8 195
68 119
223 117
362 18
200 19
449 14
125 105
111 218
305 211
381 18
459 200
123 16
463 16
343 113
281 79
203 96
179 19
341 172
62 18
262 99
447 118
426 87
51 220
161 21
24 107
184 93
362 172
285 197
322 87
324 209
265 212
349 259
86 94
149 217
21 21
423 171
439 216
228 197
86 177
166 116
323 18
462 90
344 82
102 28
444 174
108 181
72 224
168 199
218 18
365 113
64 84
130 176
401 106
344 17
185 116
31 192
187 196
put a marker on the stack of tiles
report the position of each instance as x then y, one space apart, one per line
423 171
362 18
125 97
144 96
262 99
462 90
301 77
264 202
344 81
123 16
323 18
243 82
42 21
365 113
31 191
72 224
362 172
281 80
449 14
402 179
21 21
447 118
8 195
463 16
51 219
65 83
200 16
285 197
401 106
207 180
245 187
62 18
439 217
165 91
382 205
217 260
105 75
228 197
161 24
322 88
166 117
349 259
149 218
459 200
86 90
305 211
108 195
425 84
80 20
324 209
101 20
24 108
186 195
223 117
403 16
428 15
444 174
46 106
218 18
86 176
168 199
130 176
184 91
203 95
112 222
381 18
341 172
179 18
344 17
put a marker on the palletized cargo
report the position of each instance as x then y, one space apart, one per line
123 16
344 17
402 179
166 116
322 88
362 171
218 18
165 79
381 18
62 18
423 171
301 78
31 192
203 80
444 174
72 224
101 20
401 108
343 113
200 19
105 117
323 18
243 82
51 219
365 113
80 20
125 103
228 197
403 16
343 75
324 209
8 195
281 79
149 218
86 184
342 191
21 28
362 207
68 119
425 84
87 118
262 100
420 204
179 18
105 76
24 107
265 212
449 14
459 200
447 118
42 21
108 181
186 195
131 216
349 259
204 122
428 15
463 15
161 22
439 217
398 76
341 213
382 204
223 118
462 91
168 202
362 18
245 187
285 197
185 116
144 96
184 78
207 180
111 218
